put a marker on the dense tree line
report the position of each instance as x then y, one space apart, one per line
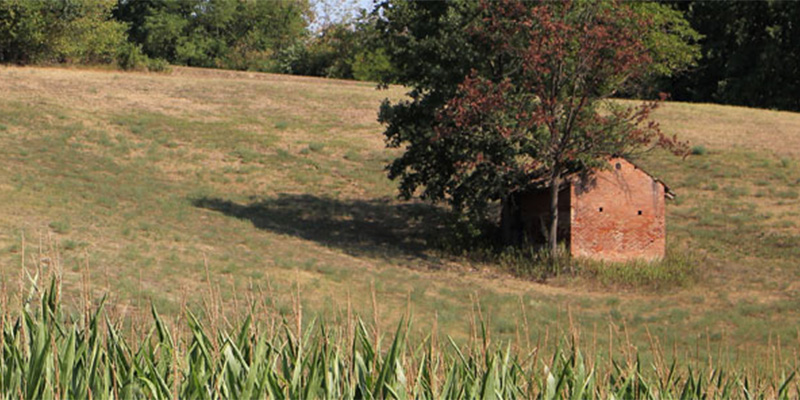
750 54
49 31
351 50
270 36
214 33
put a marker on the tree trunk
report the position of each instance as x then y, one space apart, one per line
555 182
510 223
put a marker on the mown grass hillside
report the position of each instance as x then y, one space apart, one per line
164 188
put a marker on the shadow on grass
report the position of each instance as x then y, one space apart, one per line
374 228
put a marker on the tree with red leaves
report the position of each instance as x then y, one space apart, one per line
532 108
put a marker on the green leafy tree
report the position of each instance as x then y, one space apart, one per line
372 65
750 54
23 31
244 35
328 53
509 96
89 34
347 49
163 33
76 31
672 44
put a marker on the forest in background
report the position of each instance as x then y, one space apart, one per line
749 51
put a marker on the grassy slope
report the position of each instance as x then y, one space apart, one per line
272 180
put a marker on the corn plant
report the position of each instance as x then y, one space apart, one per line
48 354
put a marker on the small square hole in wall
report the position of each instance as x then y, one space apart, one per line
601 209
640 212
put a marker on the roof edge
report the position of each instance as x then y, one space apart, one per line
668 193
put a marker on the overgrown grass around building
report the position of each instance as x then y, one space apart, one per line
677 269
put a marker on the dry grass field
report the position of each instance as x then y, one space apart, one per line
166 186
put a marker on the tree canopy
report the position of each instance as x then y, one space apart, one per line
507 96
214 33
750 54
59 31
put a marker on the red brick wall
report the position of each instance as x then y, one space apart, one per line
619 232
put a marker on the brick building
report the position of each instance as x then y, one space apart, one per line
614 214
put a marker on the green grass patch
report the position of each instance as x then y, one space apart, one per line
61 226
316 146
787 194
678 269
352 155
699 150
735 192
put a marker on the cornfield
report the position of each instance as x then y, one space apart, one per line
48 354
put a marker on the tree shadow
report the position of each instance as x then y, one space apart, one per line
378 228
